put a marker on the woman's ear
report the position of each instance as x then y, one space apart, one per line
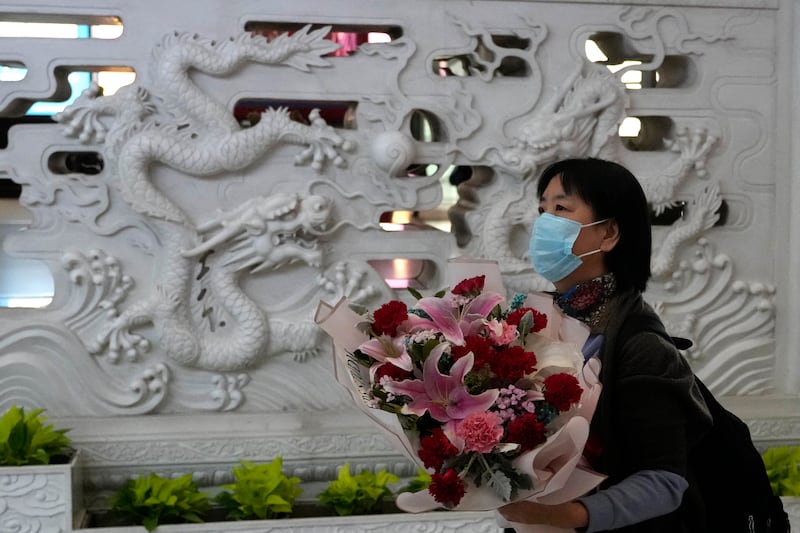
611 236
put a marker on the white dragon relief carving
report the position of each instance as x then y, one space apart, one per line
703 213
578 120
581 120
188 131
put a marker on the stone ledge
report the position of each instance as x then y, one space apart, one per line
773 420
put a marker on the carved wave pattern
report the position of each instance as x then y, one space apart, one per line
731 322
32 503
59 373
53 362
42 357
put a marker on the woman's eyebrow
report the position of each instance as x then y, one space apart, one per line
554 198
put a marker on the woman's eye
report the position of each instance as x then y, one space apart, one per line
560 208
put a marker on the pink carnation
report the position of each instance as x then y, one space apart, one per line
481 431
501 332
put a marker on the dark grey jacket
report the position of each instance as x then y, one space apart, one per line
651 411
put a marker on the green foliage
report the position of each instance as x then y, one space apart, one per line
415 293
259 492
154 500
783 469
26 440
359 494
418 483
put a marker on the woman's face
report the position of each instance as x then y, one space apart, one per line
556 202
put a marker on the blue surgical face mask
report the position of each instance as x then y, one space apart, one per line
550 248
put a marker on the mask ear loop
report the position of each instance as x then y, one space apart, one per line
581 256
596 222
589 253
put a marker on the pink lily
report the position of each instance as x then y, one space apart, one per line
386 349
452 320
444 396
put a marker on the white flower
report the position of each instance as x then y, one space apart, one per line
553 357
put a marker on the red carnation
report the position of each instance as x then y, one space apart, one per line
562 390
447 488
539 319
514 317
435 449
394 372
388 316
526 431
512 363
481 348
469 286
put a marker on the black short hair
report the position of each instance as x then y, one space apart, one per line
612 192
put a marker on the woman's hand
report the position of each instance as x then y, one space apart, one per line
564 515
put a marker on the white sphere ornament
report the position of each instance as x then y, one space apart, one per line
393 152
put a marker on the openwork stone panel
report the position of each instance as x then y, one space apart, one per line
243 177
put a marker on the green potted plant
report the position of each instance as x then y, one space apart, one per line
260 491
35 459
26 440
263 498
359 494
783 470
152 500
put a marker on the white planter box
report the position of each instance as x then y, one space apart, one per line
435 522
41 498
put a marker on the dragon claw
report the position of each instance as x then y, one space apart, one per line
324 144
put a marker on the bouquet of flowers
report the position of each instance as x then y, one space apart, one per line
493 402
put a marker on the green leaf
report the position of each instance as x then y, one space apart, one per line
18 439
499 483
525 325
261 491
382 478
151 499
25 439
150 522
11 418
496 312
418 483
192 517
357 494
428 348
783 469
415 293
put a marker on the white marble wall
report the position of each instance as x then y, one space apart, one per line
186 272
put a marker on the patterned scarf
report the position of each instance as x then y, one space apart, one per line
588 301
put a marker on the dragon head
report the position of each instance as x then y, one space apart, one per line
291 237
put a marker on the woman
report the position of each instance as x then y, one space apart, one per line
651 411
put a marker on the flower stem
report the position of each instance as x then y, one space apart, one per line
485 463
469 465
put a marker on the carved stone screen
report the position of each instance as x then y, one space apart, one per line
269 155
